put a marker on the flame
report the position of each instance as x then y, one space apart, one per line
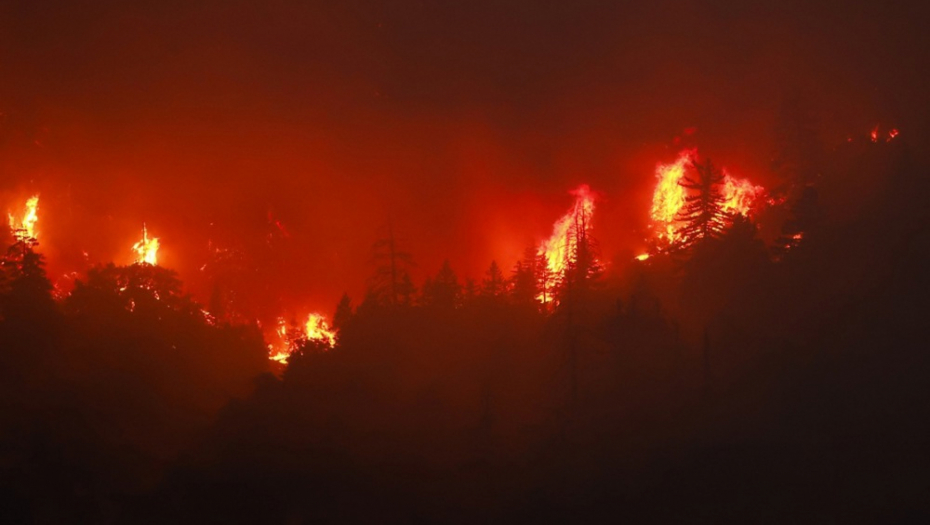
315 329
642 257
562 245
146 249
892 134
739 195
669 196
318 330
279 349
874 134
25 229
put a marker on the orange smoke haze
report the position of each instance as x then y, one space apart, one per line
288 135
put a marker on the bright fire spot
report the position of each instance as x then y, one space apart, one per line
892 134
318 330
25 228
559 248
642 257
874 134
739 195
315 329
669 195
146 249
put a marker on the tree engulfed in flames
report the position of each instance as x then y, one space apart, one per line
146 249
315 329
559 248
669 197
24 229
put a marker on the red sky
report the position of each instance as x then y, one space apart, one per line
464 125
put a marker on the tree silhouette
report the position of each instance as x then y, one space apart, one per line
444 290
389 282
523 285
703 214
804 215
494 287
582 268
344 313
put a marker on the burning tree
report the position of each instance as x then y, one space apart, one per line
582 267
567 258
671 200
146 249
24 227
704 215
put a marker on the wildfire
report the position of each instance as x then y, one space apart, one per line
562 245
739 196
146 249
669 196
24 228
315 329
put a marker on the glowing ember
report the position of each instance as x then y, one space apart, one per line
24 228
642 257
669 196
739 195
874 134
315 329
562 245
147 249
892 134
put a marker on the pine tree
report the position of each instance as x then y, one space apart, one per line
406 290
545 278
703 214
343 312
493 286
392 266
523 286
444 290
582 267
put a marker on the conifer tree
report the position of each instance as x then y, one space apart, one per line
343 312
493 286
391 271
703 214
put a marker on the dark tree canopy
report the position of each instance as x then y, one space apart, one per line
703 215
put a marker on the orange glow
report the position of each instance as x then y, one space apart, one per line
318 330
892 134
24 229
315 329
561 246
146 249
874 134
642 257
669 196
739 195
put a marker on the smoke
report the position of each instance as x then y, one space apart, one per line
462 125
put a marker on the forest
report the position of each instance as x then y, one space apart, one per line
721 377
